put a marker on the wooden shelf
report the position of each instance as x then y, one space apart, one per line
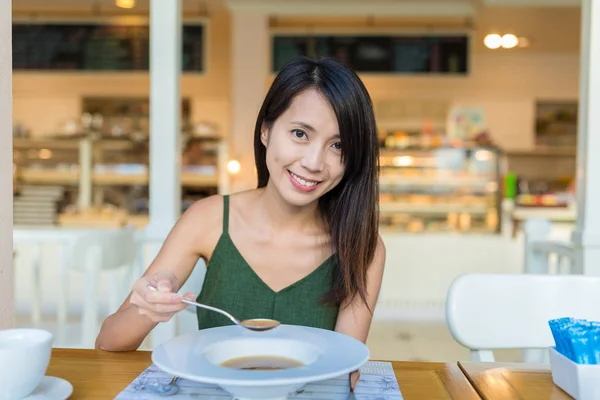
53 177
453 181
433 208
106 143
543 152
70 143
99 220
554 214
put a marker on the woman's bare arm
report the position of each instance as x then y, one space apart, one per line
354 319
127 328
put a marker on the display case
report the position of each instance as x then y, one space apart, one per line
100 163
444 189
48 175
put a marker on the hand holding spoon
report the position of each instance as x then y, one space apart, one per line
255 324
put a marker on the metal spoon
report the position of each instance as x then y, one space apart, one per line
255 324
165 390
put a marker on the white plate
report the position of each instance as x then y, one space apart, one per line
197 356
51 388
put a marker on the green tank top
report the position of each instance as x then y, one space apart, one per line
232 285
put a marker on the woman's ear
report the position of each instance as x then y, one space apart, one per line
264 134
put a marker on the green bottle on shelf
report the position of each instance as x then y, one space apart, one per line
511 182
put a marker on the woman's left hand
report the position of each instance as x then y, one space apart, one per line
354 377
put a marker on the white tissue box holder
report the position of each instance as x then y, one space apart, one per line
580 381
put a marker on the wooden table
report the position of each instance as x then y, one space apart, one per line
97 374
432 381
513 381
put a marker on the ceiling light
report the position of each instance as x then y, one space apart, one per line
509 41
523 42
125 3
492 41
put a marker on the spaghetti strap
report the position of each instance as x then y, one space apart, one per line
226 213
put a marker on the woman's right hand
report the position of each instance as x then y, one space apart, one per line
162 304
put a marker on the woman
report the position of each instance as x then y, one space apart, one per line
303 248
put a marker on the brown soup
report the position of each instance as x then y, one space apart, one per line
262 363
260 323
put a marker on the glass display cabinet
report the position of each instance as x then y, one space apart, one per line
444 189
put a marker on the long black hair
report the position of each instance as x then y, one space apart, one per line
351 208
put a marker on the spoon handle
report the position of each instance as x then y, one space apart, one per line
193 303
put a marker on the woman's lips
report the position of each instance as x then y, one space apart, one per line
303 184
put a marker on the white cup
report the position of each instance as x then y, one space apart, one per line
24 358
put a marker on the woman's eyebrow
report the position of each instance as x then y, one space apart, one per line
304 125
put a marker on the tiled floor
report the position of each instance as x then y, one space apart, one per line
421 342
387 341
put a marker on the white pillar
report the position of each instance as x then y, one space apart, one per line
250 57
86 168
586 236
165 130
6 168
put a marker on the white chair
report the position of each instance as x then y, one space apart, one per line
187 320
183 322
485 312
93 253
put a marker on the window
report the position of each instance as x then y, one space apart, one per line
96 47
380 54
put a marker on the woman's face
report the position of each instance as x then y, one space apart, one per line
304 155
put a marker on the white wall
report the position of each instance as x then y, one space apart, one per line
249 66
505 84
6 266
44 102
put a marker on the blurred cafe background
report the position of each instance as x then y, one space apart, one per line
476 103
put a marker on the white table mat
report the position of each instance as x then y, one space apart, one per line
377 382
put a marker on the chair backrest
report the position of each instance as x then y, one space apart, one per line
116 246
505 311
187 320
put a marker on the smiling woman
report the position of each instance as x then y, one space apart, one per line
329 114
309 126
302 248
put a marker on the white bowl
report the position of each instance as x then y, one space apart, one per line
197 356
24 358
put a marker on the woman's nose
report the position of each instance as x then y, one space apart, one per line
313 159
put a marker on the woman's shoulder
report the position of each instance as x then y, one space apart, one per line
206 209
201 225
209 212
204 220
